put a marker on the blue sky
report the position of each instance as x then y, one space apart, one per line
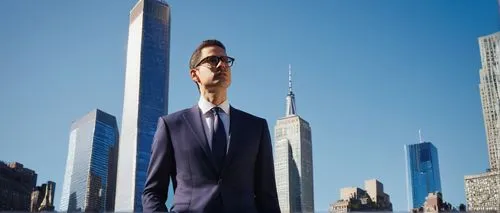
367 75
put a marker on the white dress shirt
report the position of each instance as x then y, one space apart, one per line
208 117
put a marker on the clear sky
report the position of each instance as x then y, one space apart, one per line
367 75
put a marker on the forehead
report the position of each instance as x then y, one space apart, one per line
212 50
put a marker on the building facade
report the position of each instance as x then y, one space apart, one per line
42 198
375 190
372 198
145 97
293 160
16 185
347 193
434 203
422 172
490 99
482 191
90 176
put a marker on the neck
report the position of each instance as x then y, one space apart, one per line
214 97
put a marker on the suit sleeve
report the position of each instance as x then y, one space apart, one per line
266 197
161 168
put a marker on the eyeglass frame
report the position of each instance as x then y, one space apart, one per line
229 62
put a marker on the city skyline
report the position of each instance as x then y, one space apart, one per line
368 80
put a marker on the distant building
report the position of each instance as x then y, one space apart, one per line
16 185
340 206
372 198
490 95
145 97
423 177
42 198
347 193
90 176
434 203
482 191
375 190
293 160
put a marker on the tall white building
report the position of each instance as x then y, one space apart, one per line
489 83
481 190
145 97
293 161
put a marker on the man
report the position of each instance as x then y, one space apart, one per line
219 158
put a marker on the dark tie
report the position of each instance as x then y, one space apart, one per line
219 139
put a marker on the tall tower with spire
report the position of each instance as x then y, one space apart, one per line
293 161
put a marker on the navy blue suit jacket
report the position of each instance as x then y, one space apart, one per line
180 150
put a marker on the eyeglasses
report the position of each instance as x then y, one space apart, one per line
214 60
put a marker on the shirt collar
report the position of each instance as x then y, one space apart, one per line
206 106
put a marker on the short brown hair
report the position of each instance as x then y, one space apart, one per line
195 57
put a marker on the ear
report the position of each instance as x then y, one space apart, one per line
194 76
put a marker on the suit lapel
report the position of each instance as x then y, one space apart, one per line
194 119
236 133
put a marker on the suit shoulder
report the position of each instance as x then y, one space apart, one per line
247 115
175 115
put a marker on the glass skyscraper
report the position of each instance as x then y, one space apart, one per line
90 176
422 167
145 97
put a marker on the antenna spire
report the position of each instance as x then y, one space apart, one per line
289 78
420 136
290 98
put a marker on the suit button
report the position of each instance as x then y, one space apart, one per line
220 181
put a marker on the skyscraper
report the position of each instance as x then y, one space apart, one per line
145 97
90 176
490 99
482 190
422 172
293 159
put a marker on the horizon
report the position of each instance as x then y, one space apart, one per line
367 76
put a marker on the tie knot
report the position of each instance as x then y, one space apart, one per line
216 110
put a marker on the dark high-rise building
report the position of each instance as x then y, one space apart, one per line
90 177
422 167
145 97
42 198
16 185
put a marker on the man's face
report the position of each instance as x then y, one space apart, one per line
214 73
